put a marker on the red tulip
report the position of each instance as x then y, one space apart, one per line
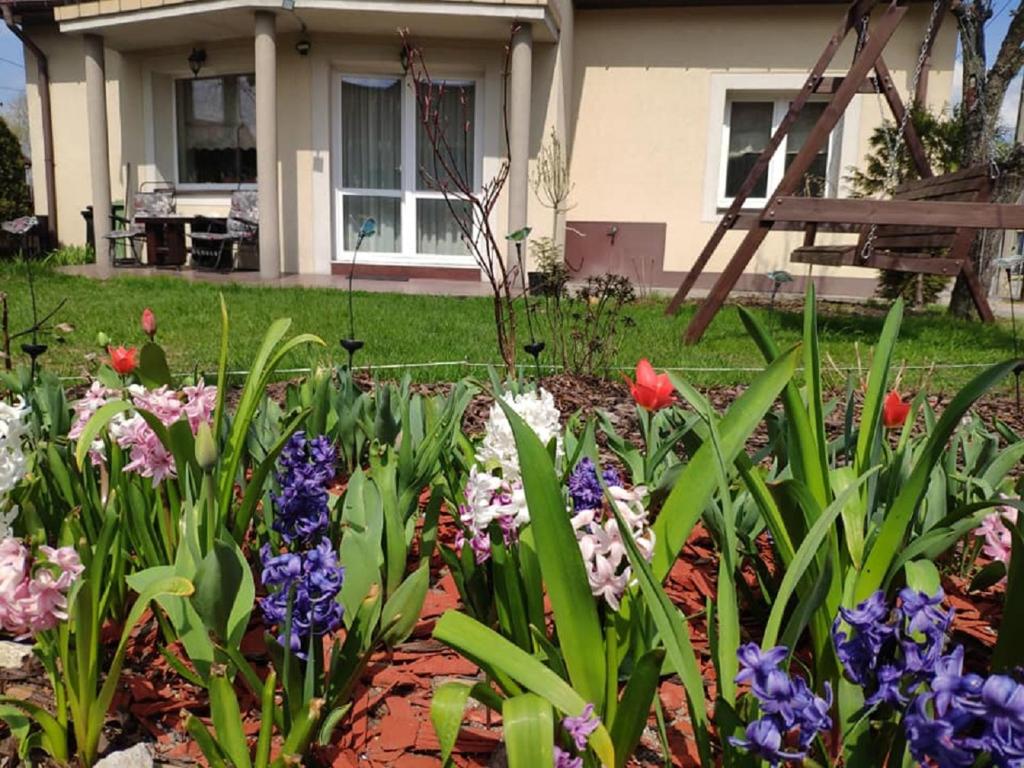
894 410
123 360
149 323
651 391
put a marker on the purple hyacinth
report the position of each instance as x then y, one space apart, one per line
764 739
565 759
307 468
313 581
789 706
581 726
584 486
890 653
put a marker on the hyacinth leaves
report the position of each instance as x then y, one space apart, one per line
494 654
699 479
890 539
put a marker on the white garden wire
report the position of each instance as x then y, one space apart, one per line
623 368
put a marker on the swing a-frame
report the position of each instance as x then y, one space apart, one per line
927 226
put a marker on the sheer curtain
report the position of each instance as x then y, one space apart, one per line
371 159
750 130
217 129
437 232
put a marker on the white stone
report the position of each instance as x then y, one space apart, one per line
139 756
12 654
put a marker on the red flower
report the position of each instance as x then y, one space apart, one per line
149 323
894 410
651 391
123 360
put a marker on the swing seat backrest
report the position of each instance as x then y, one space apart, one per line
971 185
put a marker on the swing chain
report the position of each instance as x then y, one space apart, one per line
895 138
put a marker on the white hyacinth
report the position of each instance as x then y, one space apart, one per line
498 449
13 463
601 545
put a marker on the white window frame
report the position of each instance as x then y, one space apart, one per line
191 186
408 193
777 165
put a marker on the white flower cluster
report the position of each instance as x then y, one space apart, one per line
494 491
498 449
600 540
13 463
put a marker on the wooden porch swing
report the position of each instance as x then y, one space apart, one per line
926 227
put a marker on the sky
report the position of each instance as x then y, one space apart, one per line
12 70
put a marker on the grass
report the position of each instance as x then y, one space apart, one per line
410 330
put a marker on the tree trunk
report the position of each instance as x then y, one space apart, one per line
983 95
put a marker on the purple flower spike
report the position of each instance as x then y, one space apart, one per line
764 739
584 486
581 726
755 664
564 759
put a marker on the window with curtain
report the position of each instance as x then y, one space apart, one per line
216 126
750 124
437 230
371 160
389 171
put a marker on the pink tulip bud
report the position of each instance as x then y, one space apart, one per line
149 323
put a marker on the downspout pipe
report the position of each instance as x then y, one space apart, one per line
43 69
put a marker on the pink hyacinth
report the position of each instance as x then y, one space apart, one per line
36 601
200 403
162 402
998 542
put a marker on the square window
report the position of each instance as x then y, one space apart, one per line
385 211
750 125
437 231
216 119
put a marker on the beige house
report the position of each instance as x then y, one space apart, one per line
663 104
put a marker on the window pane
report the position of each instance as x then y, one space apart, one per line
815 181
217 129
371 132
750 130
437 232
451 122
386 211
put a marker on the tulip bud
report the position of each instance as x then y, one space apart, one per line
206 447
149 323
102 340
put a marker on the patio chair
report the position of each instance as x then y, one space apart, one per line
158 202
214 246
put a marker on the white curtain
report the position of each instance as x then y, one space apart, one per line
371 158
437 231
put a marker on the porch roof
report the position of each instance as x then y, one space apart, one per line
137 24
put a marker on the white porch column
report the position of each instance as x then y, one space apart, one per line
266 144
99 153
520 96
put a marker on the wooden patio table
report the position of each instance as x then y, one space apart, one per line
165 239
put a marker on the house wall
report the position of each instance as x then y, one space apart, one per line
649 113
637 96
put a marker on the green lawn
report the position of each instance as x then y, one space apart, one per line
401 329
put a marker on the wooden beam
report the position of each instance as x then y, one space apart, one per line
856 10
892 98
976 215
921 96
863 64
829 85
747 221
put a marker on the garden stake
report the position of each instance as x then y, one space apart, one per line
20 228
535 347
1010 263
352 344
778 278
